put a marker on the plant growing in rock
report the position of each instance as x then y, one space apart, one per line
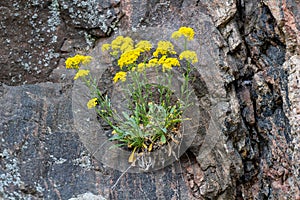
152 114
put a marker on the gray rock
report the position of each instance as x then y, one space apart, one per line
88 196
247 147
34 34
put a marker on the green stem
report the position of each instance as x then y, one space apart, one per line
185 43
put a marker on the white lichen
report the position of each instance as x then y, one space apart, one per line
83 161
11 176
54 20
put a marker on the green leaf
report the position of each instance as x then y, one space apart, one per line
164 130
116 145
163 139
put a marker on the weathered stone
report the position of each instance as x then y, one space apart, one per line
287 16
249 67
291 104
33 33
232 35
221 11
38 148
88 196
267 88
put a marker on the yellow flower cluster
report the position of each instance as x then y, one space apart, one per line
92 103
119 45
120 76
81 72
144 45
152 63
75 61
164 61
187 32
140 67
190 56
127 45
129 57
168 63
163 48
105 47
128 54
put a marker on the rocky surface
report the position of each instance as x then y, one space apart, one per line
36 34
249 62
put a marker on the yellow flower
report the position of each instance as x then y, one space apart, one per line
126 47
190 56
105 47
116 43
144 45
152 63
122 44
115 47
86 60
120 76
162 60
187 32
92 103
81 72
126 44
75 61
114 53
176 35
71 63
163 48
141 67
128 57
128 40
168 63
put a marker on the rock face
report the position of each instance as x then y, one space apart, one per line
249 62
36 34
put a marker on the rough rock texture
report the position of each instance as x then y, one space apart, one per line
249 61
36 34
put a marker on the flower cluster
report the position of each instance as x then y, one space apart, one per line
81 73
164 55
129 57
190 56
120 76
128 54
187 32
153 111
74 62
144 45
164 48
92 103
119 45
168 63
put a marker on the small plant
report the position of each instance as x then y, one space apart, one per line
154 114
